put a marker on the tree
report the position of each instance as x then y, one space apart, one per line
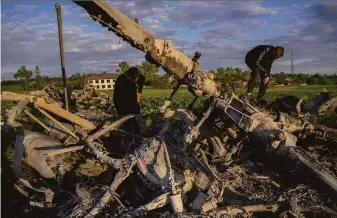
321 79
160 82
245 75
281 78
312 80
221 71
299 78
77 81
38 78
229 70
149 71
122 67
23 75
238 70
76 76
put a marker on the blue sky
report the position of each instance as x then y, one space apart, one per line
223 31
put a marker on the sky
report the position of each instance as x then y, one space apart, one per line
223 31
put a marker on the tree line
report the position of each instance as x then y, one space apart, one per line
32 79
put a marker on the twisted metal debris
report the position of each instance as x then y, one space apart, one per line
195 173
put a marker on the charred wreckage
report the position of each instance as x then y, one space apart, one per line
193 166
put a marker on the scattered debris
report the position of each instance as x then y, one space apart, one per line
236 159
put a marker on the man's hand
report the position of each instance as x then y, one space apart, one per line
265 81
138 97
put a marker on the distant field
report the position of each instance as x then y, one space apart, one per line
152 98
12 88
273 91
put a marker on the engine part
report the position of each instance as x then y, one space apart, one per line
41 152
314 104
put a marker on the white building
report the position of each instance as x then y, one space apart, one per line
105 81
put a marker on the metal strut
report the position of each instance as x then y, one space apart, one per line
64 77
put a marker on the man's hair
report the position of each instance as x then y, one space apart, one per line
280 50
133 72
197 54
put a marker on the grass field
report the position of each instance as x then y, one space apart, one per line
152 98
273 91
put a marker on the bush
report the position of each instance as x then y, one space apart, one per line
160 83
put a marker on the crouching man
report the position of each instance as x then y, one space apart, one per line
260 60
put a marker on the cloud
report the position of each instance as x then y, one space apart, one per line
167 33
297 61
222 32
29 45
315 42
326 10
140 9
24 8
227 30
84 16
198 13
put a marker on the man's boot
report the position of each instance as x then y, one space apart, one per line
246 98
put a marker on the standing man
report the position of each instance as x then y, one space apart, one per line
260 60
126 96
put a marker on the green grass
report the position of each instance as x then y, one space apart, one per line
272 91
149 92
12 88
153 98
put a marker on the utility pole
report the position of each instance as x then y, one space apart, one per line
292 62
64 77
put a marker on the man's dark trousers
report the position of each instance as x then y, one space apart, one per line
253 76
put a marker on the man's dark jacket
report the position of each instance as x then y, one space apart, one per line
261 57
125 95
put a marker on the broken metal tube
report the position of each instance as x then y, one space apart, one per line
37 120
115 163
130 134
58 123
111 127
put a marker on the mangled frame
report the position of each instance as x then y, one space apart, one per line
200 82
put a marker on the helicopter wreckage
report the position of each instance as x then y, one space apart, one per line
194 166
